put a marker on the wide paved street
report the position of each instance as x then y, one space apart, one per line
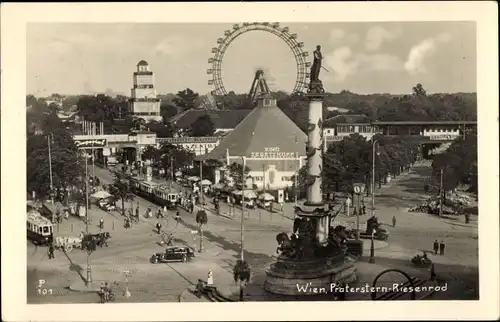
130 249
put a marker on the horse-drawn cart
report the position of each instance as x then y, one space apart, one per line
68 243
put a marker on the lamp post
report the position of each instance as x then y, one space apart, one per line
359 188
243 165
441 173
49 138
126 293
89 272
374 144
372 250
201 184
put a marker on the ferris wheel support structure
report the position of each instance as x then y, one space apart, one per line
274 28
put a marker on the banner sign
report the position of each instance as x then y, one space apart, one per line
334 138
273 153
90 144
443 137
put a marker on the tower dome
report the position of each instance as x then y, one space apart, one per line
142 63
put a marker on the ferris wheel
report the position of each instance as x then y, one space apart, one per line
274 28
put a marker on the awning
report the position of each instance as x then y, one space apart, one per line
266 197
101 194
206 182
249 194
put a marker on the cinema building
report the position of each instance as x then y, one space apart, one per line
269 143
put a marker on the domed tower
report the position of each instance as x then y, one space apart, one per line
144 102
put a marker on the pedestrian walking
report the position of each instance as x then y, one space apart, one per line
101 223
281 206
435 247
158 227
364 209
103 240
433 272
51 251
393 221
210 278
441 248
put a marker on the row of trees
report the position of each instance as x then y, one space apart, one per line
45 132
458 165
169 157
351 161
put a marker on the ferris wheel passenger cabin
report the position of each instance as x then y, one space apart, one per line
40 230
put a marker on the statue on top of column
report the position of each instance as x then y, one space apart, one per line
315 85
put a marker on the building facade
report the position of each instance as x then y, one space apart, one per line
144 102
197 145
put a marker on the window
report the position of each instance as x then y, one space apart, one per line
40 230
45 230
259 178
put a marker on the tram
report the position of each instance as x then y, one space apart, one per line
155 192
40 230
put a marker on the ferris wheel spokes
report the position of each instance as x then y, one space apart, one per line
274 28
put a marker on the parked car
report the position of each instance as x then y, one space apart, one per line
173 253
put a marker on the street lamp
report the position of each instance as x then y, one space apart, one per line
359 188
126 293
50 138
89 272
201 184
374 144
372 250
243 165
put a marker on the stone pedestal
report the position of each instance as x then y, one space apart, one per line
297 278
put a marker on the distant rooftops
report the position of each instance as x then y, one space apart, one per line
225 119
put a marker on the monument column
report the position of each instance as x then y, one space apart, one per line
314 152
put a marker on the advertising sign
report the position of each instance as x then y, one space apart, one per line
443 137
106 152
273 153
91 144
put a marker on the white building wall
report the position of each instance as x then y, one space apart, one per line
143 80
441 130
144 93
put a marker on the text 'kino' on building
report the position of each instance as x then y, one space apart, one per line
269 143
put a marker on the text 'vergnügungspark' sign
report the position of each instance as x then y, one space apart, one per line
90 144
273 153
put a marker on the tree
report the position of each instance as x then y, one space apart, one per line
151 153
209 167
167 111
459 164
242 272
201 220
203 126
162 130
236 172
67 168
419 90
121 189
173 157
186 99
98 108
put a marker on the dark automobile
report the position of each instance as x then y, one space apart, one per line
173 253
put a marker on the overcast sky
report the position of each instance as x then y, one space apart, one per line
361 57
